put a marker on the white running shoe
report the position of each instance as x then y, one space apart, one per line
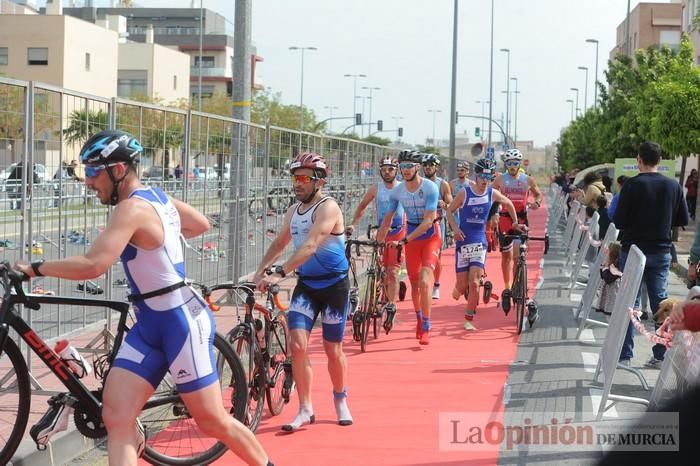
436 292
469 326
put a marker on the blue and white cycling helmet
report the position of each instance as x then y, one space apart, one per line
110 146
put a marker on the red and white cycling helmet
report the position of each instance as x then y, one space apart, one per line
389 162
310 160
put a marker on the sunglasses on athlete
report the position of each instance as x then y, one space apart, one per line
486 176
406 165
91 171
304 179
512 163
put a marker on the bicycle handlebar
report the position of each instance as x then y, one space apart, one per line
372 243
13 278
525 237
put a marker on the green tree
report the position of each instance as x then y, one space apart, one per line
83 124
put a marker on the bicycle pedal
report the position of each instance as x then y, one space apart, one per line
53 421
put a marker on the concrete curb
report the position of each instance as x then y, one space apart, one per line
62 449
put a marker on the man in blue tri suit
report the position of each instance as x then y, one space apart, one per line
431 164
175 328
315 227
381 192
419 199
462 180
473 204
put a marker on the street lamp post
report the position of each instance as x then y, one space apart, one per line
507 93
330 109
301 91
515 117
354 95
571 101
595 89
371 101
491 79
585 92
576 89
434 112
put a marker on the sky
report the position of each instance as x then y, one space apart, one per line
405 49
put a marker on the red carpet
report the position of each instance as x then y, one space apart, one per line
398 389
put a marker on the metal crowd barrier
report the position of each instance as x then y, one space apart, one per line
589 233
679 372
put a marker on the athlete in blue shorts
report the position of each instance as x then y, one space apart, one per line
315 226
175 330
431 164
473 204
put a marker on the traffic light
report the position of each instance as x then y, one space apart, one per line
400 132
477 131
380 125
358 118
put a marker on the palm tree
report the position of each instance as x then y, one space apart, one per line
83 124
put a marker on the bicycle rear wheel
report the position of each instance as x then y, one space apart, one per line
242 343
519 297
277 373
378 313
15 397
173 436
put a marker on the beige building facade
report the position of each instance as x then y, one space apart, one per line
59 50
651 24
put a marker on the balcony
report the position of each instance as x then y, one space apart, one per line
218 72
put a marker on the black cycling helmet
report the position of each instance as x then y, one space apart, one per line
486 167
431 158
110 146
407 155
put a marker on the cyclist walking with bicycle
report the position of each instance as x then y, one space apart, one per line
381 193
431 164
516 186
419 199
315 226
175 328
473 204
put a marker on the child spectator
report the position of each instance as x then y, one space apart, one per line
611 275
604 220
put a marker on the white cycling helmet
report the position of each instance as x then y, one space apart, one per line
512 154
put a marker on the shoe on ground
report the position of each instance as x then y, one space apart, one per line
624 362
644 316
436 292
424 338
654 363
419 330
402 290
505 301
469 326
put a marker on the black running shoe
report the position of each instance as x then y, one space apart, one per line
402 290
389 321
505 301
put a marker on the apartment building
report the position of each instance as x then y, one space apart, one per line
689 8
179 29
651 24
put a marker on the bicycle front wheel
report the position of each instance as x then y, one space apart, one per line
15 397
242 343
519 297
278 376
369 306
173 435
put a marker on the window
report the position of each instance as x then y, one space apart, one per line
3 56
207 62
37 56
670 38
87 62
174 82
207 91
132 82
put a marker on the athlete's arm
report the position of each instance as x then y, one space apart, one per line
446 192
498 181
192 223
497 196
123 224
532 184
277 247
369 196
326 217
454 205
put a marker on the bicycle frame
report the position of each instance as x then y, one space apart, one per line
11 319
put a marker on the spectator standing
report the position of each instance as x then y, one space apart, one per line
178 172
650 205
691 195
613 203
593 187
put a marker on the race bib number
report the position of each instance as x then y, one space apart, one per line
470 252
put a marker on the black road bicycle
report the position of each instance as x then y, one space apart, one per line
370 306
261 344
172 436
519 292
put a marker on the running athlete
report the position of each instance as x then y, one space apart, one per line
419 198
462 180
380 193
315 226
473 204
516 186
175 328
431 163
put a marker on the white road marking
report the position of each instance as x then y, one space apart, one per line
590 361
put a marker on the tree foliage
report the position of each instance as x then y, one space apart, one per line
655 96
